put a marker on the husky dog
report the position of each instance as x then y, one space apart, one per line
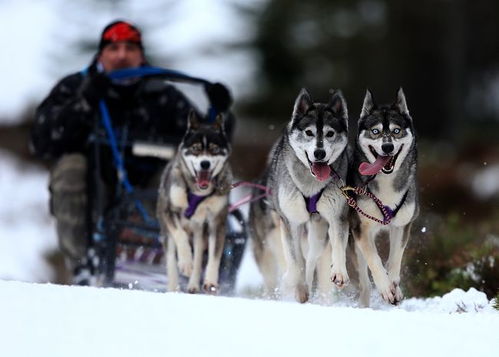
302 169
193 204
264 229
384 163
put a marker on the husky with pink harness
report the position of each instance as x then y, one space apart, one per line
384 168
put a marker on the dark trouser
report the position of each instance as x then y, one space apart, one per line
68 204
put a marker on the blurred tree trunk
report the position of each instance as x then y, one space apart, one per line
455 72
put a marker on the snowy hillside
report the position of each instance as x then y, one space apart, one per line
50 320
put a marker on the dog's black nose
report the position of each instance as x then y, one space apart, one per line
319 154
205 164
387 148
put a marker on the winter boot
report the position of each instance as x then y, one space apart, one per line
68 204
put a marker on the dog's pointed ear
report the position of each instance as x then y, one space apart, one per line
218 124
401 102
192 121
338 104
302 102
368 104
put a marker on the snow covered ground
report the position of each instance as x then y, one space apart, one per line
50 320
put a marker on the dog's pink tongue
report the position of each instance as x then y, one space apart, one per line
321 170
368 169
203 179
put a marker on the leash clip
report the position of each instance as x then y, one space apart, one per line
345 189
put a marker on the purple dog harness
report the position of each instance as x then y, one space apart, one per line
193 203
311 202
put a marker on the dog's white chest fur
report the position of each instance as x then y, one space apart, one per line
293 206
330 202
178 197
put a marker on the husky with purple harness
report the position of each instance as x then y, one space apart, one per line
305 206
383 170
193 204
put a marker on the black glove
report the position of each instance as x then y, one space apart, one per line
95 87
219 96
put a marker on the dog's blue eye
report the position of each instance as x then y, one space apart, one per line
309 133
396 131
375 131
329 134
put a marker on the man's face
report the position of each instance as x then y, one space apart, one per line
120 55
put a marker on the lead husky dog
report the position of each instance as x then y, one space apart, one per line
302 166
193 203
385 163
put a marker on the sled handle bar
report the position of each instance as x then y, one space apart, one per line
169 74
150 71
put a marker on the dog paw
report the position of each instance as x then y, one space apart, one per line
301 294
340 279
210 288
392 294
173 287
193 289
398 295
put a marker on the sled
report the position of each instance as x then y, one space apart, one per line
124 231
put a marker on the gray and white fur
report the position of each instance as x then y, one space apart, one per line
200 167
301 165
384 131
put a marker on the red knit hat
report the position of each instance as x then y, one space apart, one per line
120 31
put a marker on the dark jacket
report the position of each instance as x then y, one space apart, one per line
148 108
